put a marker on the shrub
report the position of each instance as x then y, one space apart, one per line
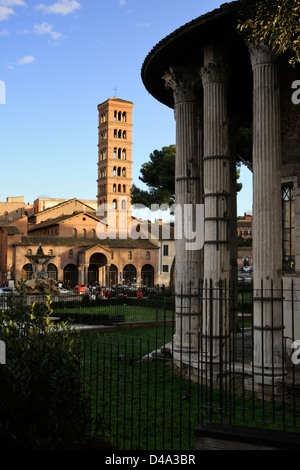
42 405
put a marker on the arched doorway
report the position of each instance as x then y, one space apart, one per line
27 271
96 270
147 275
70 275
129 274
52 271
113 275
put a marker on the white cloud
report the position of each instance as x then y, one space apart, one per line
4 32
5 13
143 25
122 2
28 59
46 28
12 3
5 8
61 7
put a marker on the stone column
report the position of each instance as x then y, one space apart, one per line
186 86
267 214
216 182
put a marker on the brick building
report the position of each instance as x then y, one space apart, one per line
74 230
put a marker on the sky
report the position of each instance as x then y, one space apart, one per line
59 59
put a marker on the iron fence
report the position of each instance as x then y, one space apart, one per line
155 368
151 387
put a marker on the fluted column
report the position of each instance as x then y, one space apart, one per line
216 181
185 84
267 219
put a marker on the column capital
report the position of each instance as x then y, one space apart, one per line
213 73
260 53
184 82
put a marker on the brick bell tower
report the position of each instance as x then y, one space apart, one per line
115 159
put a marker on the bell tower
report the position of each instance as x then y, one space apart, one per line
115 157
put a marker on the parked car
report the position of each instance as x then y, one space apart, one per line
62 290
8 290
80 289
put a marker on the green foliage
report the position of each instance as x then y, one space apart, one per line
41 400
275 23
158 175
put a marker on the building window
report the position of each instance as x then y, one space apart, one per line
130 255
74 232
165 250
29 252
50 253
147 254
165 268
112 255
84 233
93 233
288 229
70 254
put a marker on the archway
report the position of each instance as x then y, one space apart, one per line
129 274
113 275
70 275
27 271
147 275
96 270
52 271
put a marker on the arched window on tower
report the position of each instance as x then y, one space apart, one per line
115 152
119 171
115 115
119 188
114 204
114 188
115 171
124 154
124 172
74 232
115 133
119 116
124 204
124 188
124 134
119 153
130 255
124 116
119 134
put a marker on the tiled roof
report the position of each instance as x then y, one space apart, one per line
11 229
57 220
85 243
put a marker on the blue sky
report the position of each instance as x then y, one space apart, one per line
61 58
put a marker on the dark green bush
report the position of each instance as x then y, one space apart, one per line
42 405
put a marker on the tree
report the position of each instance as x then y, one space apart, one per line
275 23
159 175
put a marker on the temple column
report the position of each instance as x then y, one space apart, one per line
186 86
217 187
267 215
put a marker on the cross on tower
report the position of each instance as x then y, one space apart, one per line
115 91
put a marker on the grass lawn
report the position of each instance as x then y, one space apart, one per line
148 404
129 312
